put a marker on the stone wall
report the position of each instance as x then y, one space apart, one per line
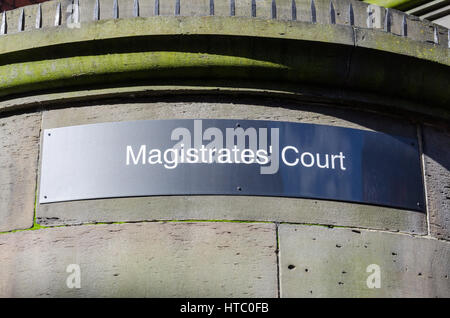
219 246
163 246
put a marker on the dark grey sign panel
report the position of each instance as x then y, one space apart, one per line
230 157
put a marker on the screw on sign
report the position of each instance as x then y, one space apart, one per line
12 4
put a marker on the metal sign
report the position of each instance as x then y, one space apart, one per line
230 157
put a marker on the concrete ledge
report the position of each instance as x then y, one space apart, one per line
180 25
232 208
70 13
142 260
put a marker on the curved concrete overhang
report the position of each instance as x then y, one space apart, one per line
337 63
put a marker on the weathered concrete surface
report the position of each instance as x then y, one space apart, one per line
416 29
142 260
48 13
382 41
322 262
436 148
223 207
224 107
370 45
19 145
37 55
282 91
386 78
208 56
183 25
232 208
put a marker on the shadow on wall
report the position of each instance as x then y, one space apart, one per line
12 4
318 63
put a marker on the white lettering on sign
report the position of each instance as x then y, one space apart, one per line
235 146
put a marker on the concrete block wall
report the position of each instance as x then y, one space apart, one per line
219 246
200 246
143 260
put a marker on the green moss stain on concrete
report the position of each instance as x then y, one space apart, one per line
83 70
131 51
146 28
36 226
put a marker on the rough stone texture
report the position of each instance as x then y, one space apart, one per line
321 68
384 79
142 260
87 10
224 107
416 30
380 40
223 207
48 15
201 7
192 8
232 208
166 24
436 148
29 21
304 93
19 138
322 262
125 8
